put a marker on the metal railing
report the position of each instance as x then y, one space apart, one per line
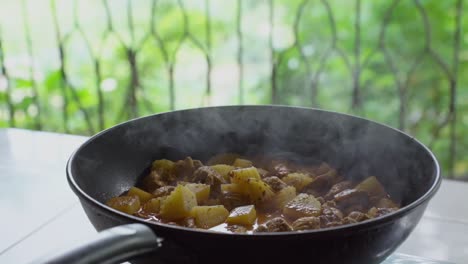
355 60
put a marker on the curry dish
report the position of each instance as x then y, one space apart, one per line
248 195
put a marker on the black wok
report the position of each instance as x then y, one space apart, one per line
113 160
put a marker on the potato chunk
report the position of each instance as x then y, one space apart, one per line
209 216
386 203
281 198
223 170
302 205
243 175
126 204
178 204
243 215
298 180
242 163
201 191
257 191
144 196
153 205
372 186
251 185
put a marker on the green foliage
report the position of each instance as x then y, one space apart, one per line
405 66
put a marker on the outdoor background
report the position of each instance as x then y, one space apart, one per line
82 66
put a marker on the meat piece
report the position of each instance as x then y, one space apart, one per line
306 223
347 221
279 168
275 183
322 169
331 216
321 200
333 212
232 200
184 169
321 184
329 221
163 191
153 181
207 175
263 173
355 217
197 164
261 229
352 200
330 203
212 201
358 216
337 188
237 229
376 212
189 222
278 224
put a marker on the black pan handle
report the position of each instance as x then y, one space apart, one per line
113 245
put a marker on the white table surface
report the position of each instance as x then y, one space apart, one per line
40 213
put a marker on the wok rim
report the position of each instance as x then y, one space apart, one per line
341 230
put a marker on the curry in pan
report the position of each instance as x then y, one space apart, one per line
235 194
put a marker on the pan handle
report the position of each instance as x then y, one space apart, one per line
113 245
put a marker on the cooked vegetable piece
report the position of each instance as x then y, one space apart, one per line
178 204
281 198
209 216
144 196
223 170
243 215
301 206
225 158
386 203
201 191
153 205
243 175
242 163
298 180
257 191
372 186
126 204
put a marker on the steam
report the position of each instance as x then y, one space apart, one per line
355 147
